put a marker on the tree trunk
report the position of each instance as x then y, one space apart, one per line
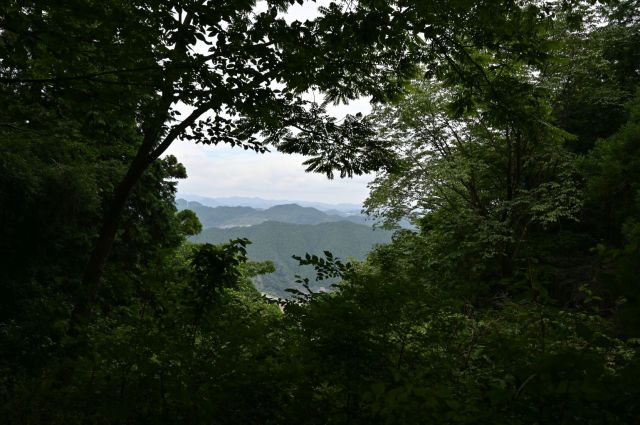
95 267
149 151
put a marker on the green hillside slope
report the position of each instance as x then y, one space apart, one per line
277 242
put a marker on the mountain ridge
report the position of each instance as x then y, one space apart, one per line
242 216
256 202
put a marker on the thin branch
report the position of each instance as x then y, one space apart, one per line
176 131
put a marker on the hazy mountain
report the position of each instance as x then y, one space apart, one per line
260 203
279 241
246 216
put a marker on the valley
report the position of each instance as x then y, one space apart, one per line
282 231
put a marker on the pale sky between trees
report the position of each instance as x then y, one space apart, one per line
221 171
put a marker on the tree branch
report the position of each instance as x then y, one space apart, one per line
175 132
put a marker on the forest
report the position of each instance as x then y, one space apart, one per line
506 131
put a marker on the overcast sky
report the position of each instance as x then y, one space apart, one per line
222 171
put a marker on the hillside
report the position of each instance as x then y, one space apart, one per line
224 216
277 242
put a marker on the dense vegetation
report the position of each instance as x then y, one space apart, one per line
509 132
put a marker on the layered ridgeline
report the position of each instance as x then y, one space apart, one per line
234 216
260 203
280 232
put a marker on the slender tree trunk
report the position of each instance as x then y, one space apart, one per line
111 220
151 148
153 145
509 169
506 260
149 151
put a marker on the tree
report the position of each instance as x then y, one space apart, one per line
189 222
596 78
242 72
612 172
596 98
480 315
479 185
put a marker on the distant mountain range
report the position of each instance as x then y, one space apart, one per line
238 216
278 241
235 201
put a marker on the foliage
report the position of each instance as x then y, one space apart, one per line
390 347
514 300
189 223
480 188
598 75
613 171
